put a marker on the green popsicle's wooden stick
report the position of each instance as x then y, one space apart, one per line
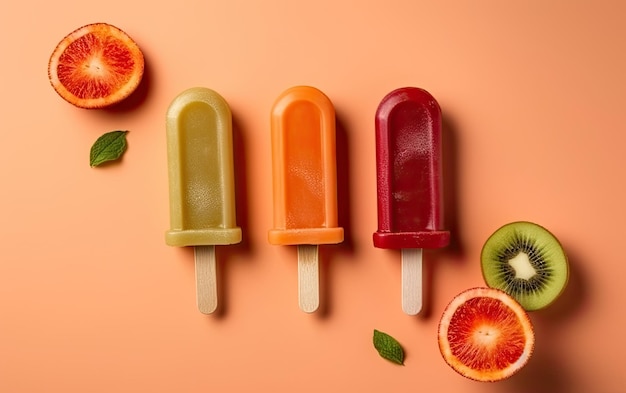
206 278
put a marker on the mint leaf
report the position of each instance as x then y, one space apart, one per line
388 347
108 147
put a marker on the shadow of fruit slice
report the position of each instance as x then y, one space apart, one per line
526 261
485 335
96 66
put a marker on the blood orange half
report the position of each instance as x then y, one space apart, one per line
96 66
485 335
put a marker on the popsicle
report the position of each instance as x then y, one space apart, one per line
409 181
304 173
201 183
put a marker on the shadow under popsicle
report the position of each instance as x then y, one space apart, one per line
225 255
454 251
451 171
330 254
343 185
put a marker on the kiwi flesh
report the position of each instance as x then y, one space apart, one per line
526 261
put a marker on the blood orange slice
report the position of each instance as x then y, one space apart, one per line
485 335
96 66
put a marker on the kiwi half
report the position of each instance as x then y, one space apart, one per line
526 261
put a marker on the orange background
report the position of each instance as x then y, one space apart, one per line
92 300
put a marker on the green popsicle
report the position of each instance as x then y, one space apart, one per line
201 183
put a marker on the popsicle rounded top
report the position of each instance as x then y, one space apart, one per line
304 169
409 171
201 170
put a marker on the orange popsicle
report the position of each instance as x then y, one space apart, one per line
305 182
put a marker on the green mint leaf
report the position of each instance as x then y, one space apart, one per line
108 147
388 347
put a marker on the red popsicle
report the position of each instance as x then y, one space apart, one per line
409 177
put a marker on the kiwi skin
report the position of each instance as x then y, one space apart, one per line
544 253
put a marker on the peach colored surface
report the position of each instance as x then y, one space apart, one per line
92 300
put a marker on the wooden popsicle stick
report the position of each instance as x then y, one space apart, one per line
206 278
411 280
308 278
